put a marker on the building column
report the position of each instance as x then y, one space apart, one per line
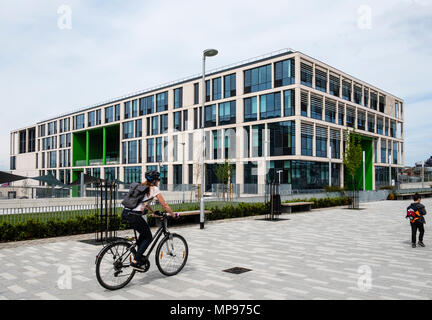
87 147
104 145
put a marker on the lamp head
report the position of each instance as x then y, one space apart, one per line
210 52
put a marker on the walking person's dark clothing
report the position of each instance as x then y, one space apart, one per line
418 222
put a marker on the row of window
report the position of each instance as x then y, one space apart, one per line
345 89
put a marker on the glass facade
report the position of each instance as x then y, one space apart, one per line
289 103
250 109
270 105
306 74
227 112
210 116
230 85
132 174
257 79
282 138
217 89
162 101
284 73
178 98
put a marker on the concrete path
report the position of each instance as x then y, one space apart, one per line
324 254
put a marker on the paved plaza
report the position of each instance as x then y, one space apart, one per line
323 254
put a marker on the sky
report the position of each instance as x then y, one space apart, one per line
60 56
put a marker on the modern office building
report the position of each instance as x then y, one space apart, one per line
275 116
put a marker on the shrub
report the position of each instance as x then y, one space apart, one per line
333 189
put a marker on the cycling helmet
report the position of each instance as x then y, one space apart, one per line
152 175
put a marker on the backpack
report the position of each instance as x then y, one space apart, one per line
135 195
412 215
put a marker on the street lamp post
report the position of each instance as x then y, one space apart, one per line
206 53
183 171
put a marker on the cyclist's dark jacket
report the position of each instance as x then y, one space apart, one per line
421 209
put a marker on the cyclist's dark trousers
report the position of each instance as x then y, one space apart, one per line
145 236
414 226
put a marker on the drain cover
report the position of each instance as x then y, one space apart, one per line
237 270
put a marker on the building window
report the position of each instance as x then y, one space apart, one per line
350 117
162 101
13 163
357 94
155 127
159 149
132 152
284 73
282 138
230 143
304 102
150 150
250 109
366 97
227 112
207 85
361 120
306 74
341 114
138 128
230 85
196 93
216 144
334 85
346 90
383 151
382 100
321 142
320 80
330 111
395 152
22 141
31 140
392 129
177 121
132 174
373 101
335 144
91 119
163 123
127 110
109 114
146 105
210 116
52 159
257 140
128 130
178 98
371 123
306 139
185 120
217 90
257 79
270 105
289 103
79 121
177 174
134 108
379 125
197 117
316 107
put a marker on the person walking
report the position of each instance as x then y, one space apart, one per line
416 212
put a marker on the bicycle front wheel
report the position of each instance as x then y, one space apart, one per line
171 254
113 269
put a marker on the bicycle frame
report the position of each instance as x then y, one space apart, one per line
163 230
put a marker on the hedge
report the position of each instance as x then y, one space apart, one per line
33 229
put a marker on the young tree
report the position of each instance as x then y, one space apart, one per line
224 173
352 156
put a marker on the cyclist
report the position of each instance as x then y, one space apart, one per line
136 217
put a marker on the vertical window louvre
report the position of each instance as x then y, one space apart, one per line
321 141
371 123
361 120
357 94
335 143
306 74
330 111
350 117
316 107
304 103
306 139
320 80
334 85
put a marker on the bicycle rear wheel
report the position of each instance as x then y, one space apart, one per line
171 254
113 269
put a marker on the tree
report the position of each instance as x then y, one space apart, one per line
224 173
352 156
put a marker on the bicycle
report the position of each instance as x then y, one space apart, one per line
113 270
